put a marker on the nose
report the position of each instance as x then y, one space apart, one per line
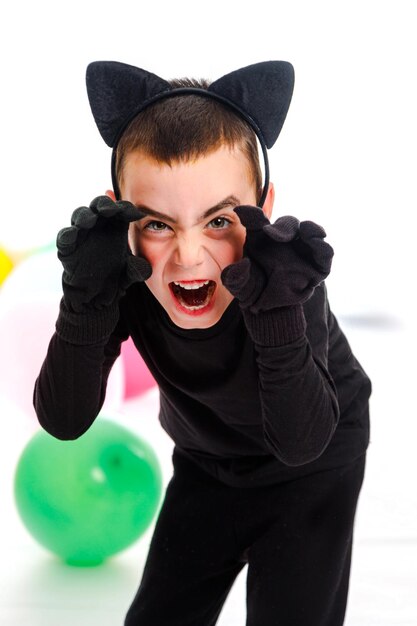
189 252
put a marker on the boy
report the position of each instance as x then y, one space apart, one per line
259 390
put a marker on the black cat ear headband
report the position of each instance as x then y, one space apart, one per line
259 93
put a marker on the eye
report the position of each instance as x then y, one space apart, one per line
219 223
156 226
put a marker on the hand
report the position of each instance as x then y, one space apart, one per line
282 263
98 264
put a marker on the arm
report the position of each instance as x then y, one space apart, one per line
98 268
298 397
278 284
71 386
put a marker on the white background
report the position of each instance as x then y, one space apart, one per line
346 158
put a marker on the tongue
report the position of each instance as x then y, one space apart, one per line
193 297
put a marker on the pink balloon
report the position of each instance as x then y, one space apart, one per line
138 378
26 328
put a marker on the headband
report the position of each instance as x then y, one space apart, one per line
259 93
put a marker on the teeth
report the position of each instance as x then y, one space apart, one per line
193 285
194 308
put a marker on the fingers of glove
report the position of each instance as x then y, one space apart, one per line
123 210
104 206
317 256
310 230
285 229
252 217
235 277
245 280
84 218
138 269
66 240
323 256
129 212
313 236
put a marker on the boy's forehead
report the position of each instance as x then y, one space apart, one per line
226 162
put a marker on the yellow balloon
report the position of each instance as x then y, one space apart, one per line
6 265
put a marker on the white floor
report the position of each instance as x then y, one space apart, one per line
38 590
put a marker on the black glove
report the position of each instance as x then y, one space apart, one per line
94 251
282 262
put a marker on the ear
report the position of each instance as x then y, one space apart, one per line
117 92
269 201
111 194
262 91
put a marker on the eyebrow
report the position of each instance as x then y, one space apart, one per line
223 204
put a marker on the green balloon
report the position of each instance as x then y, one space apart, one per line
87 499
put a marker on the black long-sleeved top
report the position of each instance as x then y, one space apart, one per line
252 400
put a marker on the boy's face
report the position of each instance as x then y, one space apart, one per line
190 233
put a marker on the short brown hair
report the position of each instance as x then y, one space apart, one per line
184 127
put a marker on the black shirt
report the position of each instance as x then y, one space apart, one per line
248 408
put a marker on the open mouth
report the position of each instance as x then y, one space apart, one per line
193 295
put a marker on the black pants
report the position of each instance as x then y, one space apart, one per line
296 538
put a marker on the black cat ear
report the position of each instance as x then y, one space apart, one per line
117 92
262 92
